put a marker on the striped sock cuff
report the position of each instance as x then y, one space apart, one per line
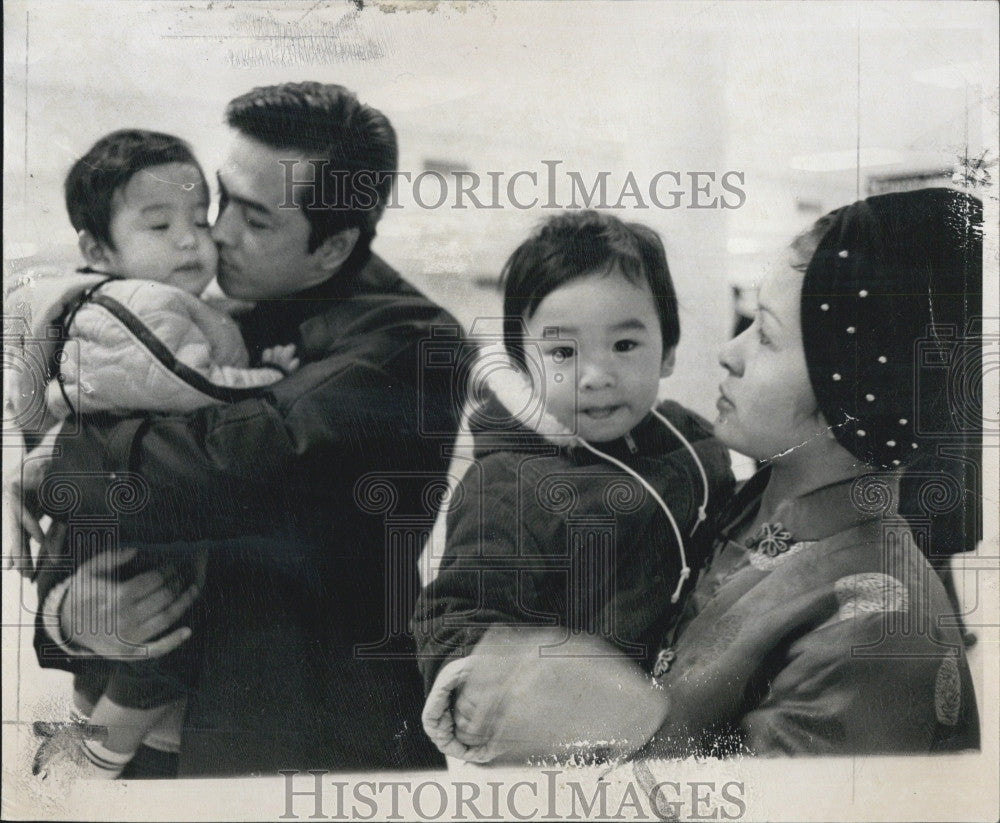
102 757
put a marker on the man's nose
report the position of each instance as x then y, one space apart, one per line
222 231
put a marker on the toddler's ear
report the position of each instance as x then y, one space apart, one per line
91 248
669 359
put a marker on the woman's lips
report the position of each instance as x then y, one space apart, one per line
724 403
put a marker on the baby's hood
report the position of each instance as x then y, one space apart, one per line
506 411
33 305
36 299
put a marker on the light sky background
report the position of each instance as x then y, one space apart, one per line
772 90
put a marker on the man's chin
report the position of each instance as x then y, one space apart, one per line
230 286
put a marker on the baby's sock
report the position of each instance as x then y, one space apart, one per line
107 764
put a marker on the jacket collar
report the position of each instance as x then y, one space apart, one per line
820 513
277 321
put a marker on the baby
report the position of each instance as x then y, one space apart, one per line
129 331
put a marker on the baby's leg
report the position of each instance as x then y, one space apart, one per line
126 727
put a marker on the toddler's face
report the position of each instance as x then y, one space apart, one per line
602 377
159 227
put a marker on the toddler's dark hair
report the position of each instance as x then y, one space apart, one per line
579 243
109 164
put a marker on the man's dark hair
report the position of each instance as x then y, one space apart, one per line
579 243
108 166
328 125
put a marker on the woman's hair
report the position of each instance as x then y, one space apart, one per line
573 245
108 166
804 244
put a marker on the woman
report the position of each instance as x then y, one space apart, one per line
819 627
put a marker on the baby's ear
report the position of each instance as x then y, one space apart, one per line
669 359
92 249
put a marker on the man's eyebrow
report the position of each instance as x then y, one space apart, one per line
243 201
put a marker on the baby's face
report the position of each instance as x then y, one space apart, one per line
159 227
602 376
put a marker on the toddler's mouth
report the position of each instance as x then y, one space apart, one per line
600 412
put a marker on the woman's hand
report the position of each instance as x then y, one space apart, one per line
530 692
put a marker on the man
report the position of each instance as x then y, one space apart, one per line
299 664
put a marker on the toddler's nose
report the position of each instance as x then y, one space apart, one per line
596 376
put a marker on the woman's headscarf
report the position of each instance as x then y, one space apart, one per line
890 305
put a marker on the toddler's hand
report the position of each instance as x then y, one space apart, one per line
281 357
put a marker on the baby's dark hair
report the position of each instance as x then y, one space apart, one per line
579 243
108 166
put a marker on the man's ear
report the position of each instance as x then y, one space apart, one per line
669 359
333 251
93 251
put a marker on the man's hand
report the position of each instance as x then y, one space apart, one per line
21 478
20 528
119 618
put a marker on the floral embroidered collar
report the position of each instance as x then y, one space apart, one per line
772 539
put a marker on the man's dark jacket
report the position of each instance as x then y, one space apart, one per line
327 481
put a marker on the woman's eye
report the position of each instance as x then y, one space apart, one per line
159 227
625 345
255 224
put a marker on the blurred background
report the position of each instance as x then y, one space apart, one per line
811 106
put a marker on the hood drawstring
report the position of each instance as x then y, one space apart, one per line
703 508
685 569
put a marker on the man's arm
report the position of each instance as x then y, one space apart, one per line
209 471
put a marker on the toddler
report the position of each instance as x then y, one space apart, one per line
583 505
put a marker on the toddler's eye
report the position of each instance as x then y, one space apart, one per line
159 227
625 345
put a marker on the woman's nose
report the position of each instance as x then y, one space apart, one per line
731 355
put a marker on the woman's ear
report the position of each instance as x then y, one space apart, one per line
93 251
333 251
669 359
